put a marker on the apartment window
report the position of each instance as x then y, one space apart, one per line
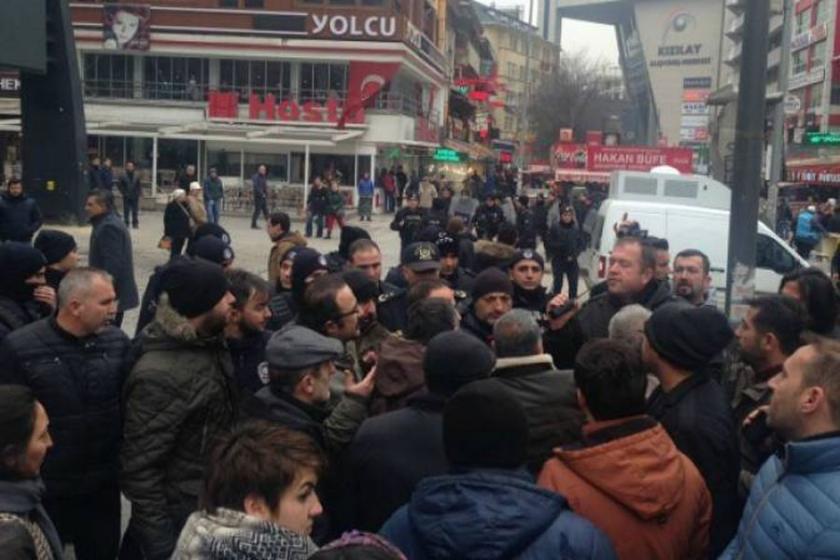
820 11
508 122
511 70
803 21
319 81
522 75
109 75
513 42
177 78
815 102
798 62
818 55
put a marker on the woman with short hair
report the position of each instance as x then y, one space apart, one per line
259 499
26 530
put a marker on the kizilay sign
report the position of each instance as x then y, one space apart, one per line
447 155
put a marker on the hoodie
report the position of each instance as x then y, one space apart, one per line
628 478
489 515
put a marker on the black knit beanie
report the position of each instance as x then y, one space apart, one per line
194 287
362 286
484 426
18 261
54 244
213 249
687 336
306 262
349 234
492 280
212 229
453 359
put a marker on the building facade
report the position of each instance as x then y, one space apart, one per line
232 84
523 60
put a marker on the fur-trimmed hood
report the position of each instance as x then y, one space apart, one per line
492 253
170 328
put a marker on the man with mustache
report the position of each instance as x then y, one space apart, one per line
691 277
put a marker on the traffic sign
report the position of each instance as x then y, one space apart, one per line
792 104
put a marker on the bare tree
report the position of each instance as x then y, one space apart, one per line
572 97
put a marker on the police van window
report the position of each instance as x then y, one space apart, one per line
771 255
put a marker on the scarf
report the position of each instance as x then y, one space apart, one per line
233 535
22 498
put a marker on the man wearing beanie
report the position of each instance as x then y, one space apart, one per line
680 340
180 394
24 295
382 465
492 297
59 249
307 265
337 260
458 277
489 508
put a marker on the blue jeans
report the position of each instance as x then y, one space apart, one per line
213 209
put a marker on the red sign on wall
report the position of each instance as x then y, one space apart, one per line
226 106
616 158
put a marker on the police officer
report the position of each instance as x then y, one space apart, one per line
408 220
451 270
489 217
419 261
526 272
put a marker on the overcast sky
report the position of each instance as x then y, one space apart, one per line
598 41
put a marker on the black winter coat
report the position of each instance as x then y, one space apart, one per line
526 225
15 314
699 420
382 466
479 329
549 398
20 218
408 221
487 221
564 241
179 397
316 202
176 221
247 354
110 250
129 185
79 382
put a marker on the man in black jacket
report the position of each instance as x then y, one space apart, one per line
24 295
548 396
491 298
259 183
179 396
488 218
20 216
680 340
451 270
245 332
408 220
563 245
382 466
75 365
110 249
61 253
129 186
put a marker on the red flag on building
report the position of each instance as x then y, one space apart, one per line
367 79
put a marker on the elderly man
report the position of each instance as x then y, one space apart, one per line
547 395
74 364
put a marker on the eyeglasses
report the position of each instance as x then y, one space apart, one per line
354 311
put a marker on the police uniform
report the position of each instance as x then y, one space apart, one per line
393 308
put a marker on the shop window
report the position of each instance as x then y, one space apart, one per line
277 165
227 163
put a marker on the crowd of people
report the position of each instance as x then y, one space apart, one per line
450 407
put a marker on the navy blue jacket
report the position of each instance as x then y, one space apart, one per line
79 381
20 218
489 515
794 506
110 250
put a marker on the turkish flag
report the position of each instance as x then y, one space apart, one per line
367 79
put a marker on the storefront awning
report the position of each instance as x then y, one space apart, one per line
476 152
817 172
581 176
